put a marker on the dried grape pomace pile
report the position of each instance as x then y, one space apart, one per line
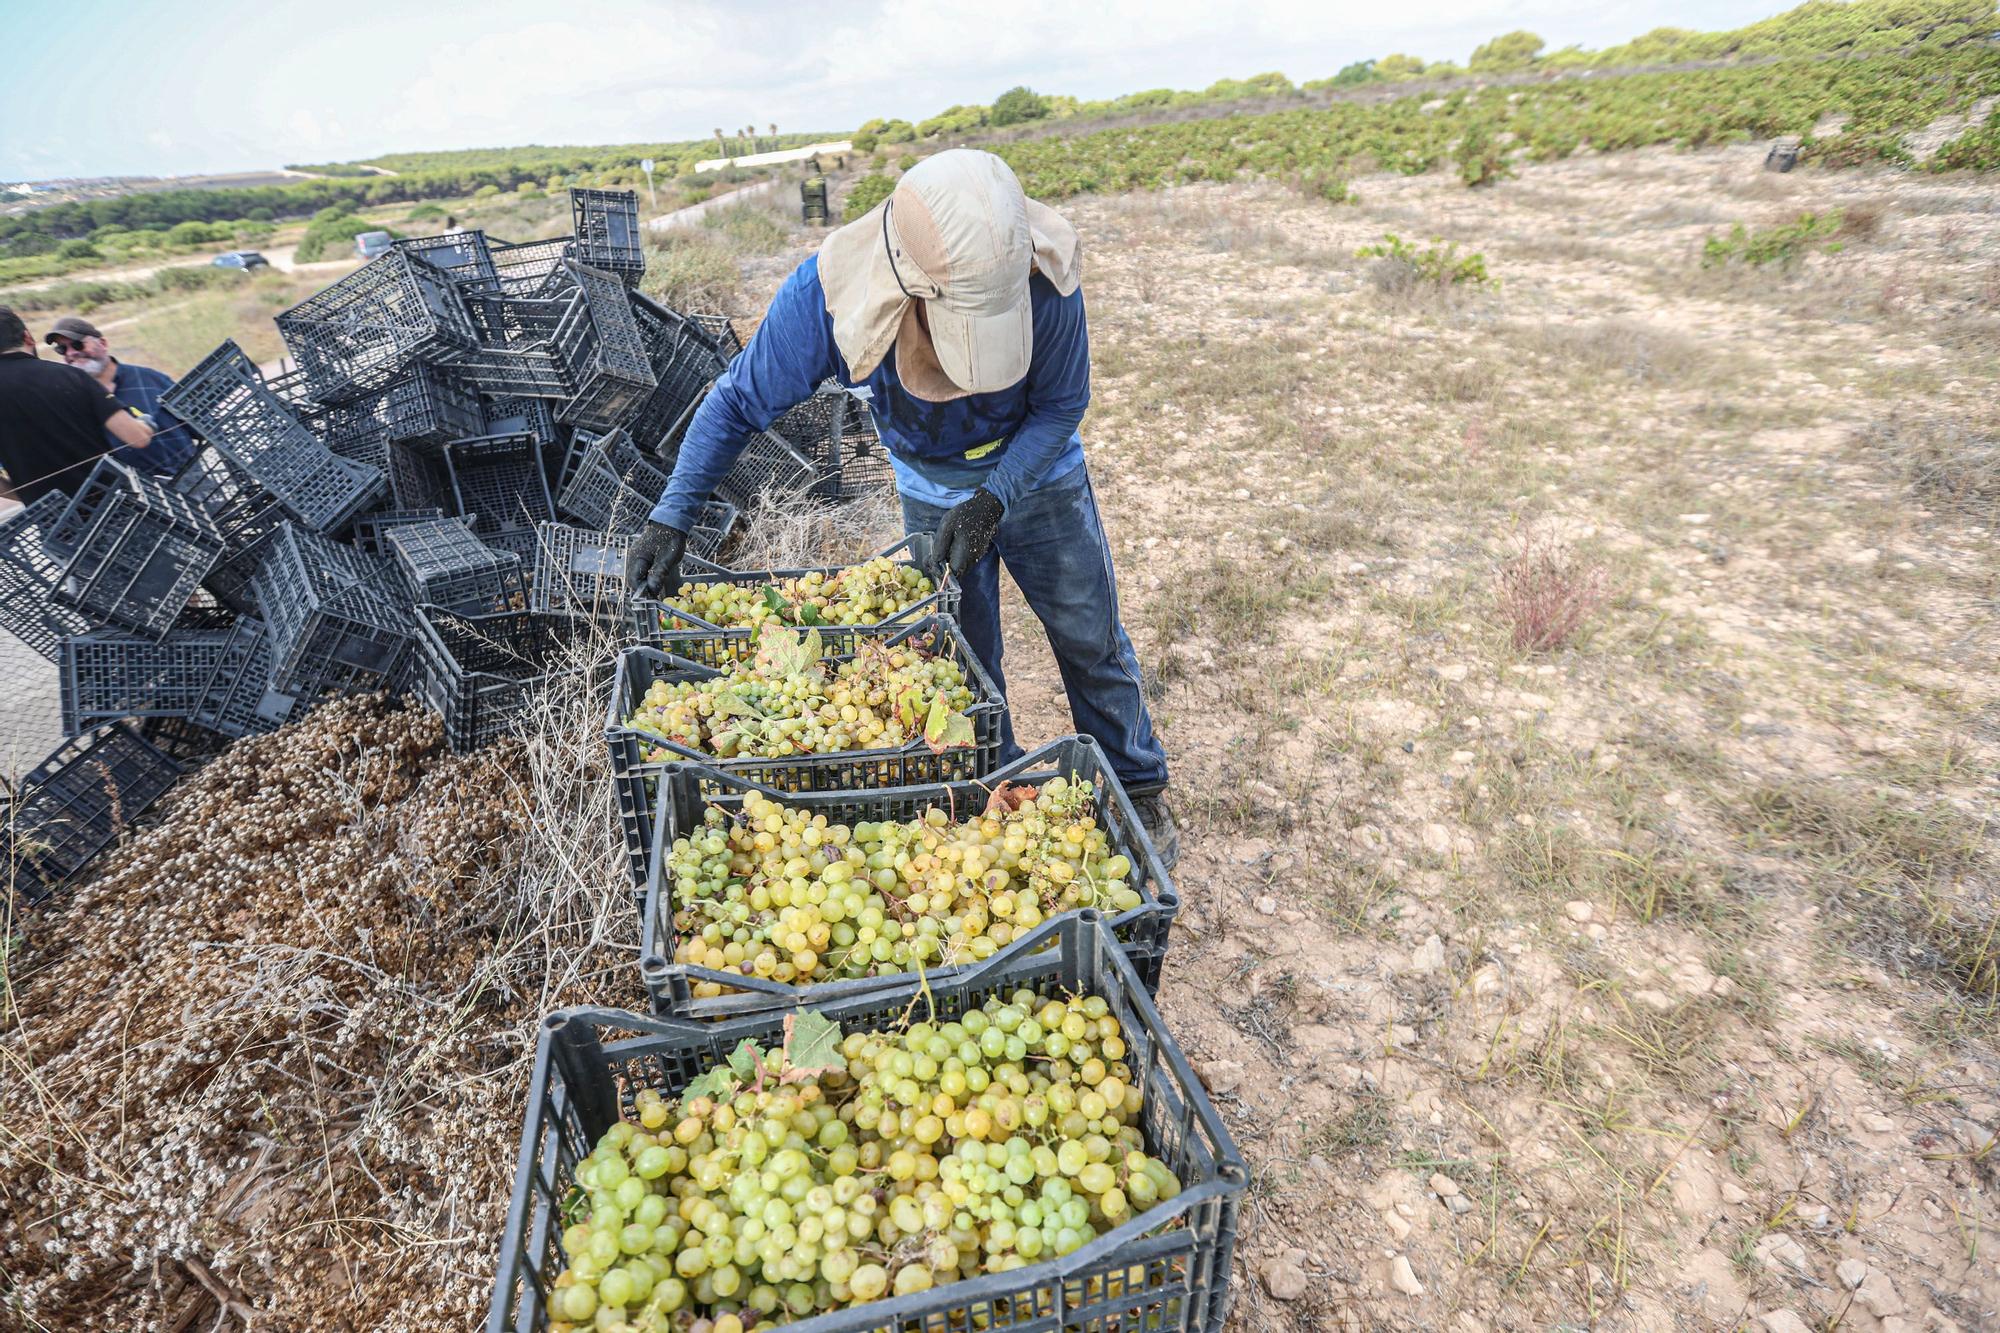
267 1048
783 894
840 1170
864 594
789 701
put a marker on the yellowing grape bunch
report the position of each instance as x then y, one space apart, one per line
783 894
785 701
883 1163
865 594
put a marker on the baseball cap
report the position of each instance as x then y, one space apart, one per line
73 327
958 238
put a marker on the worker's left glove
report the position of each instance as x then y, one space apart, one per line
966 534
653 561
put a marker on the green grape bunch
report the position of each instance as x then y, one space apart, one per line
865 594
781 893
881 1164
786 702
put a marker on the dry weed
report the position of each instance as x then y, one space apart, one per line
1547 592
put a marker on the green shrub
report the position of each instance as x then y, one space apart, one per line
1481 159
1017 105
78 250
1785 245
867 192
335 234
1436 265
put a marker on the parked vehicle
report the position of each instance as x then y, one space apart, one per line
243 259
370 244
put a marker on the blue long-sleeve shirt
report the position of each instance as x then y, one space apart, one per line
1031 426
140 387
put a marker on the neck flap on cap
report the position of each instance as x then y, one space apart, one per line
867 302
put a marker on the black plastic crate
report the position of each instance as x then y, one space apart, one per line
186 743
105 676
443 564
578 572
1167 1269
517 354
515 414
135 549
462 256
583 573
424 405
370 529
526 268
639 760
650 618
334 613
28 576
358 334
601 343
76 803
713 524
418 479
606 227
245 514
238 698
498 486
225 401
613 486
1142 931
478 672
771 465
837 434
684 360
721 331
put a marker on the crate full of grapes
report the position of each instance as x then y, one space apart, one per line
1020 1144
895 585
840 708
758 899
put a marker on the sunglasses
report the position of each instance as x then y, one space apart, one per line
65 346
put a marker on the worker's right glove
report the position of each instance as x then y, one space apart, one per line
653 561
966 533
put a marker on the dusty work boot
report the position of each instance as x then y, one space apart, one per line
1160 827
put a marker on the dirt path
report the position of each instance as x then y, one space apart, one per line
694 213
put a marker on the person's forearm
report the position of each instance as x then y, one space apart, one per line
715 438
1039 442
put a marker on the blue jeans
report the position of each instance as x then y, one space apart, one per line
1053 543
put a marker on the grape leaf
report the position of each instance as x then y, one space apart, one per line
786 653
775 599
717 1083
728 703
812 1046
945 729
1008 797
910 706
744 1061
809 614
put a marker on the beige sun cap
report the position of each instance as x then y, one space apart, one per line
958 235
958 239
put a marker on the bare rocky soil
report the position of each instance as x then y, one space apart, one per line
1642 984
1645 982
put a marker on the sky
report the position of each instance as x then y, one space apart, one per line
160 87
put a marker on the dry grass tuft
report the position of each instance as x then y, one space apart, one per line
782 532
1547 592
1952 462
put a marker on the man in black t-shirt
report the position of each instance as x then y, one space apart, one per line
53 419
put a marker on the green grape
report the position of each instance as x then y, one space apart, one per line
924 1157
869 593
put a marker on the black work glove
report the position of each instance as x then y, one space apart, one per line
653 561
967 533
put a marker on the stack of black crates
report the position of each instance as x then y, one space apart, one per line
436 500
